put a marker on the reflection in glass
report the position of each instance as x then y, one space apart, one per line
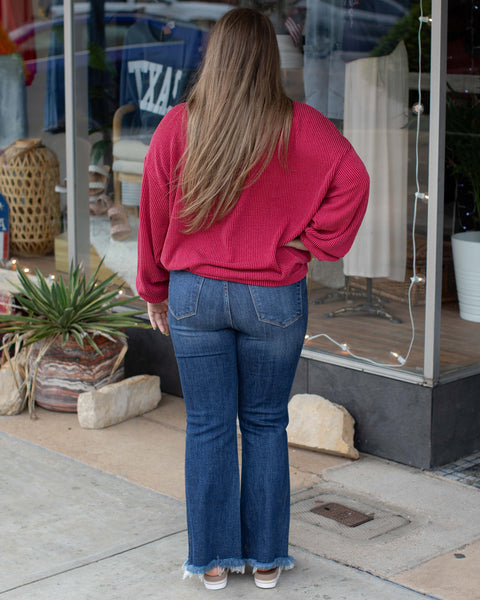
359 58
356 61
461 246
30 204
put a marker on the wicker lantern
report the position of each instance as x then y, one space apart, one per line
28 174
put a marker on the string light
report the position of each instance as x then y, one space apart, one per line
400 358
422 196
418 110
417 279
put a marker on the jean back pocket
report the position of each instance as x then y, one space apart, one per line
184 293
279 306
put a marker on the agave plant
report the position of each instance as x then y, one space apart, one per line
80 309
47 311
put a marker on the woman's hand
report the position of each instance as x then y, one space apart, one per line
299 245
158 315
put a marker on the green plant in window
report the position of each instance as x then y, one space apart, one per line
462 142
406 29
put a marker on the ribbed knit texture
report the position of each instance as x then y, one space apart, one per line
321 197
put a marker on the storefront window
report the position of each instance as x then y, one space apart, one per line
32 160
133 62
460 341
364 64
364 67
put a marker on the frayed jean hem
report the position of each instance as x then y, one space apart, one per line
235 565
284 562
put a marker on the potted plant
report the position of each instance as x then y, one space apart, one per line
66 338
462 153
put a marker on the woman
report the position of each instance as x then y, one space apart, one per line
241 185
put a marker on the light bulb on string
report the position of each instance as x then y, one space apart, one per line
400 358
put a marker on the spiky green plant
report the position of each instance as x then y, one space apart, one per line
47 311
80 309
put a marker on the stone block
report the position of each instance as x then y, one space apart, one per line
12 402
119 401
318 424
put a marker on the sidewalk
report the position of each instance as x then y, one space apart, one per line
100 515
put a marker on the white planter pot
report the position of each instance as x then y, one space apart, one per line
466 262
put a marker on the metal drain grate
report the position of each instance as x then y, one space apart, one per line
309 507
342 514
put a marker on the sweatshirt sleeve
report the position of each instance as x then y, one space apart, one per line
155 199
152 277
331 232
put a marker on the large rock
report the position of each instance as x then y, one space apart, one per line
118 402
12 402
318 424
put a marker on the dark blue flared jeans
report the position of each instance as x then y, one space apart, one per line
237 348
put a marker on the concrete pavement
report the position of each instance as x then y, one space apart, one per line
100 515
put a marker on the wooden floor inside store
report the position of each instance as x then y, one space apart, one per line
374 337
368 336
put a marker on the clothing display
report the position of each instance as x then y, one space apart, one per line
324 69
321 196
337 32
156 69
157 66
13 15
13 100
376 104
54 108
157 62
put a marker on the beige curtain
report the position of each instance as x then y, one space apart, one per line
375 122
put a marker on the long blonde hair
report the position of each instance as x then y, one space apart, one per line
237 113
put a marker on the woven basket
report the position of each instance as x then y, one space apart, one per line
28 174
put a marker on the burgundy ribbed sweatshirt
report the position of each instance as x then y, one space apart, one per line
321 197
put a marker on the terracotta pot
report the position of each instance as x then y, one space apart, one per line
64 372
